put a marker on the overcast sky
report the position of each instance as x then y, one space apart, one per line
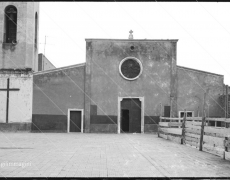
203 30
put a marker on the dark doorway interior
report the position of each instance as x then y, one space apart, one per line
75 121
125 120
131 115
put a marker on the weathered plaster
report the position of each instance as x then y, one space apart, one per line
24 53
107 84
20 102
87 95
192 85
55 91
44 64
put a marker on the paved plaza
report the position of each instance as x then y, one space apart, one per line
103 155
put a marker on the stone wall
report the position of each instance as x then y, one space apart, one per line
104 84
44 64
20 102
192 84
56 91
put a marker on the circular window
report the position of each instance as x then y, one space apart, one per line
130 68
132 48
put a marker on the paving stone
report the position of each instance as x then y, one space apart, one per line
106 155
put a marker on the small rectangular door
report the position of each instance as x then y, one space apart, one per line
124 120
75 121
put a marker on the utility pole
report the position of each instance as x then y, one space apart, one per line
226 103
45 46
203 123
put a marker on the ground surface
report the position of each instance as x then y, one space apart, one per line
103 155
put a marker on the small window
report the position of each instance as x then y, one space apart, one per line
10 24
218 123
211 123
188 114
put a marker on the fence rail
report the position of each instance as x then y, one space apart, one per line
192 133
215 141
227 120
168 131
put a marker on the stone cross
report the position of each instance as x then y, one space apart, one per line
130 34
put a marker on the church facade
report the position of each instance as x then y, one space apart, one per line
125 85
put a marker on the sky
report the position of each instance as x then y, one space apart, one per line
203 30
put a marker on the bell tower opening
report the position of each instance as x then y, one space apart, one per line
10 24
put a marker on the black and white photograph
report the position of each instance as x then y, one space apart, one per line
114 89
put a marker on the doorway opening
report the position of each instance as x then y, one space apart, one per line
124 120
130 115
75 120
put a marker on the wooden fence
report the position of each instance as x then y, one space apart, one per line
192 133
170 130
216 141
196 133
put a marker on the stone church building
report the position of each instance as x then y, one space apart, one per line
125 85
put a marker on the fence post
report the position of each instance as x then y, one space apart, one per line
202 125
183 128
226 105
225 147
158 127
158 131
160 120
202 133
160 109
171 113
226 102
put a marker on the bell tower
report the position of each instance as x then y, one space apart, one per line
18 60
19 35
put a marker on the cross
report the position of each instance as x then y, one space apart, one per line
130 34
7 100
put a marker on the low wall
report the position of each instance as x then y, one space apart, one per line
15 127
49 123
